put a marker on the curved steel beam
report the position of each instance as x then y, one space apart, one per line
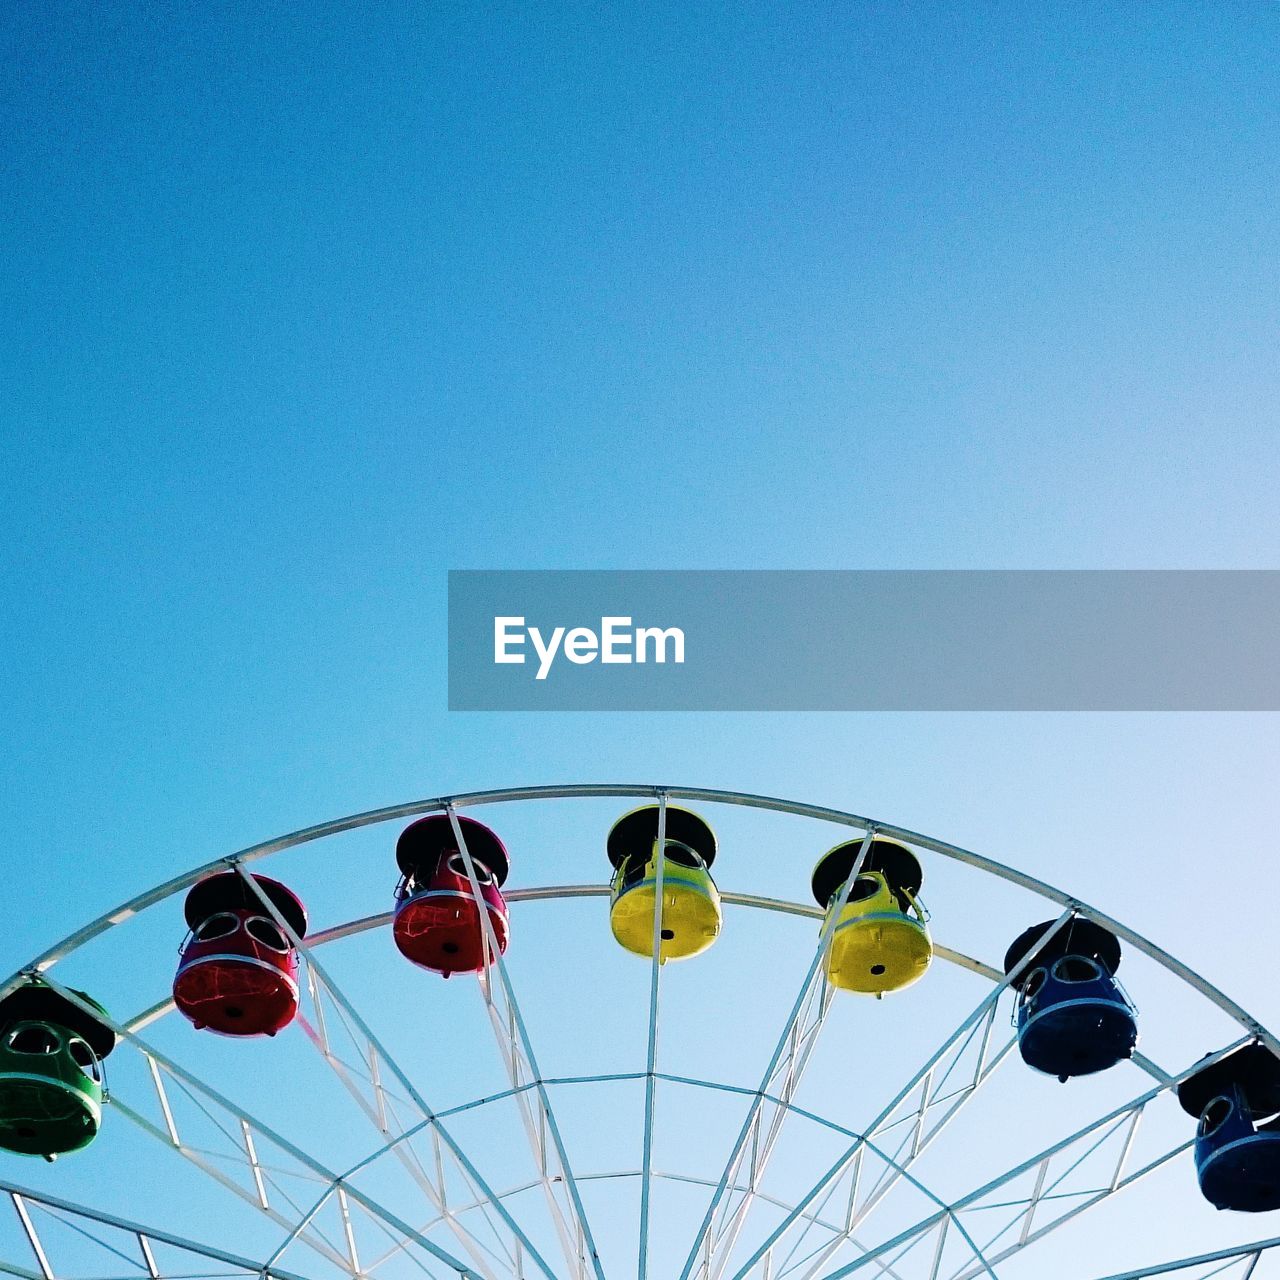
773 804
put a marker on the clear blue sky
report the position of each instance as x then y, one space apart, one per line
302 309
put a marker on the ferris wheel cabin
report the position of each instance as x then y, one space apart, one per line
1237 1151
1074 1018
238 970
690 920
51 1053
438 922
881 940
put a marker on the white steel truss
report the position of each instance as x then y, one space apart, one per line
131 1247
651 1055
922 1108
727 1212
1051 1172
378 1105
541 1127
248 1137
1241 1262
329 1212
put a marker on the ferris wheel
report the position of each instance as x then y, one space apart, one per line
599 1031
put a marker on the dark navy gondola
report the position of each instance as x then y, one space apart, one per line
1237 1101
1073 1016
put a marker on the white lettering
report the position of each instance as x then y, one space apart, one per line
659 636
612 640
503 638
616 642
546 652
580 645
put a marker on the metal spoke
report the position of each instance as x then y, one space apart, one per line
917 1138
651 1055
141 1236
1250 1252
921 1080
375 1050
378 1107
715 1239
586 1252
313 1166
1113 1121
170 1136
522 1077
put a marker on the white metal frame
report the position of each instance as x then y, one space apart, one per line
912 1112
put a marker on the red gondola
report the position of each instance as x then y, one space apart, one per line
438 924
238 973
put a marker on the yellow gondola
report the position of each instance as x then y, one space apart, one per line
880 942
690 901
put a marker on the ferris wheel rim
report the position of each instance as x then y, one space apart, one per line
450 804
68 945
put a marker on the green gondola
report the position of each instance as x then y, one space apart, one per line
51 1088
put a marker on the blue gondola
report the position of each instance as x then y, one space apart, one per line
1073 1016
1237 1101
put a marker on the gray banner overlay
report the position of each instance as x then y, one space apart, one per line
920 640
